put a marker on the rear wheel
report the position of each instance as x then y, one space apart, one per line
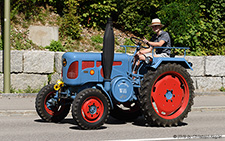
166 95
90 109
48 108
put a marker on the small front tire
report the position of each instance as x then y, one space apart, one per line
90 109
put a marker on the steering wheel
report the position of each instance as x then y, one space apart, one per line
138 42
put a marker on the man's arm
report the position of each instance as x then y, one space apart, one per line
155 44
145 50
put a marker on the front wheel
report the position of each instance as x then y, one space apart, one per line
90 109
48 108
166 95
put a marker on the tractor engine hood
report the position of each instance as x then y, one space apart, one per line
80 68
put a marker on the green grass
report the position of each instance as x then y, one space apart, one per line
97 39
222 89
27 90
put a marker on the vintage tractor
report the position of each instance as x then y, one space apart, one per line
101 84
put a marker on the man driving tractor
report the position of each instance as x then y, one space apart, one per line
159 39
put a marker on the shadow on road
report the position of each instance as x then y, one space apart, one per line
140 121
78 128
65 121
112 120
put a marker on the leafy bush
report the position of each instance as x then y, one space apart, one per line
212 26
198 24
94 13
56 46
97 39
222 89
69 24
128 42
98 47
135 15
19 40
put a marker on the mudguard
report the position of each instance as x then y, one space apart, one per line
159 60
179 60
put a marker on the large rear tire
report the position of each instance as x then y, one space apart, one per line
166 95
45 109
90 109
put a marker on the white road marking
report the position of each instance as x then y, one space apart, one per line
187 137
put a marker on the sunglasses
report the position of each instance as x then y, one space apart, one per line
154 26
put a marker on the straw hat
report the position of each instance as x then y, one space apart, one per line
156 21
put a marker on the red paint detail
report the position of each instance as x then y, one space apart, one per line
57 110
98 63
170 81
101 72
90 101
73 70
87 64
115 63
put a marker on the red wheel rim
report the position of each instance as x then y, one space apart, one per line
92 109
56 110
170 95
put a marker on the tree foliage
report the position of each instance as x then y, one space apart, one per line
181 20
70 24
95 12
198 24
212 26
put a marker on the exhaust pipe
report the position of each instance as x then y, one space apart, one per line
108 53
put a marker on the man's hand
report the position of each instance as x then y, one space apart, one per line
141 52
145 40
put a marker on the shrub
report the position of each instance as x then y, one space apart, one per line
94 13
69 23
97 39
199 25
56 46
128 42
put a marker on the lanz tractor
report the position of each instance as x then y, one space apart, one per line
101 84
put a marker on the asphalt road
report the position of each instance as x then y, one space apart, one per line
199 125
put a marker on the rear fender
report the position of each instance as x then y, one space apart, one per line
157 61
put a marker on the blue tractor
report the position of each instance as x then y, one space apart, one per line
101 84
